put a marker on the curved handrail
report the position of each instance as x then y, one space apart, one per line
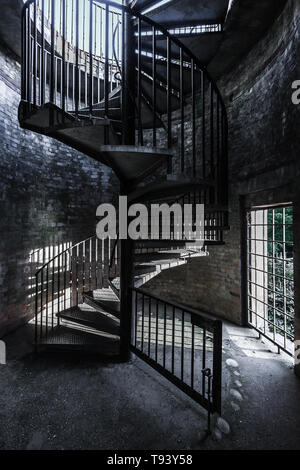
62 253
160 28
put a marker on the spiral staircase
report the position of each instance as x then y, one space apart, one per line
127 91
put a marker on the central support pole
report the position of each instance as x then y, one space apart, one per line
128 138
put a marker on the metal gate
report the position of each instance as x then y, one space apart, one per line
270 277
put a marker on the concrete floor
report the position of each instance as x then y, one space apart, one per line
58 401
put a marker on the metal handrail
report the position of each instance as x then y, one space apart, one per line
162 29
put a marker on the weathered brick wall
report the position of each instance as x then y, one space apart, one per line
264 149
48 195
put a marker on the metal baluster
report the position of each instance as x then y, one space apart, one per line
52 303
193 117
91 60
139 84
169 110
63 63
77 71
136 318
36 310
173 340
156 333
106 72
211 130
52 58
29 75
165 335
42 63
58 287
154 83
149 329
24 56
181 113
34 53
203 360
203 124
143 319
182 346
192 354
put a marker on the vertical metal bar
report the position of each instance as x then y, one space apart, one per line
77 71
192 354
106 72
124 97
211 130
65 278
41 305
34 52
52 306
203 359
43 77
58 287
218 176
143 320
136 319
52 59
181 113
24 54
47 297
203 124
29 73
156 333
182 345
91 60
36 309
139 90
217 367
154 83
173 340
149 328
169 105
63 62
165 335
193 117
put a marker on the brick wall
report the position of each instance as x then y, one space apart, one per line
48 195
264 149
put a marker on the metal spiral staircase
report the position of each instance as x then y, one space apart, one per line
112 83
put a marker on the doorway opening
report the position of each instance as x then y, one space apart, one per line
270 274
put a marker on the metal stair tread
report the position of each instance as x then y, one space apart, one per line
134 162
69 338
91 318
109 303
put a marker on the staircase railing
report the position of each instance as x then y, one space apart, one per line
176 103
183 344
61 281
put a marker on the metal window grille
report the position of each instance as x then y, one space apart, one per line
270 275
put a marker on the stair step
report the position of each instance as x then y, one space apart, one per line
133 163
105 299
141 244
94 319
66 338
213 242
159 256
141 269
168 187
